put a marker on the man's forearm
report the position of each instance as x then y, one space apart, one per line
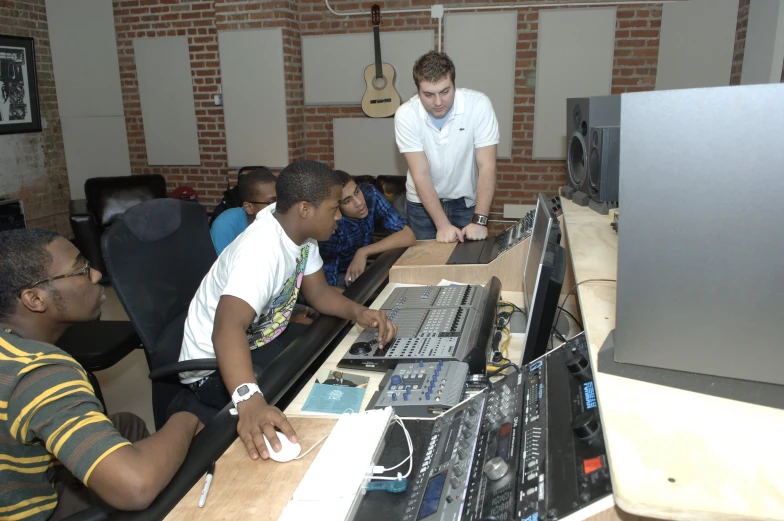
485 189
234 361
335 304
400 239
429 198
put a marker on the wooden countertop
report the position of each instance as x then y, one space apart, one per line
673 454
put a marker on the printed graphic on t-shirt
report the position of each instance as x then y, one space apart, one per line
270 325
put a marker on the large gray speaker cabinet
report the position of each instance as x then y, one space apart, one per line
587 122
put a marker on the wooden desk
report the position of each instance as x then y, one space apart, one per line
673 454
246 489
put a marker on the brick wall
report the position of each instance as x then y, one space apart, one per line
520 178
740 42
200 21
32 166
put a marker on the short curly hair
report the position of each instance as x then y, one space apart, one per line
24 260
306 180
433 67
250 181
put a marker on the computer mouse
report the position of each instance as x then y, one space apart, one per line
360 348
288 451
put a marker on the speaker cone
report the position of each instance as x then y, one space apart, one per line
576 160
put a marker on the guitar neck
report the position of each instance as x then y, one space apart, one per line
377 45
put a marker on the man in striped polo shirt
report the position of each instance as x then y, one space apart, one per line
54 437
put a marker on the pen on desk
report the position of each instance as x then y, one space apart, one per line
206 489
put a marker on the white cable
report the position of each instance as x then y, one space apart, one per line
521 5
313 447
410 458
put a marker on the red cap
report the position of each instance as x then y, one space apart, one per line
184 193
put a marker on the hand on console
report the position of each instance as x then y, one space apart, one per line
449 234
475 232
378 319
256 417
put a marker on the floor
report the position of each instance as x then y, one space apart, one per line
125 386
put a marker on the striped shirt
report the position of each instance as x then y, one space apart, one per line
49 416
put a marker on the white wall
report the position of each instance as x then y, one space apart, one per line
764 53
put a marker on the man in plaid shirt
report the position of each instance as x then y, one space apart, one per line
345 254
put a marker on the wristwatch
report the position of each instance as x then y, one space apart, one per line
479 219
244 392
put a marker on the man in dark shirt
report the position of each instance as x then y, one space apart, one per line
54 436
345 254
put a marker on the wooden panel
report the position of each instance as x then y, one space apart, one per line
164 73
254 97
483 47
696 44
333 65
574 60
366 146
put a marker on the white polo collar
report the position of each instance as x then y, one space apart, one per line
458 106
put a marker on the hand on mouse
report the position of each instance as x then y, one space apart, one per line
377 319
257 417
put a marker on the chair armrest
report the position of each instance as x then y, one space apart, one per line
90 514
200 364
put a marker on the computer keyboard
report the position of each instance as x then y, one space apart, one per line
333 484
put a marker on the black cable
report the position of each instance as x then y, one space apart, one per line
573 317
563 303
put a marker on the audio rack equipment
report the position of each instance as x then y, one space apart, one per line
421 390
433 323
530 447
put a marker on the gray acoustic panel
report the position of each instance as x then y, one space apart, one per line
254 97
700 277
366 146
94 147
574 60
484 49
696 44
333 65
84 58
764 51
166 92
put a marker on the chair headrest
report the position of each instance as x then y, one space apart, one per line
109 197
154 220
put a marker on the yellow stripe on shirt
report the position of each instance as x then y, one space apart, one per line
28 502
80 388
29 459
16 351
65 424
26 470
29 513
41 361
101 457
84 422
39 401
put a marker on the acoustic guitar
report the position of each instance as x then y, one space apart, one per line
381 100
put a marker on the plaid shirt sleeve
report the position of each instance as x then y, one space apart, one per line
329 251
383 213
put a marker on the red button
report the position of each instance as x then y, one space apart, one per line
593 464
505 428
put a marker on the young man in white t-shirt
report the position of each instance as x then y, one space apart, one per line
449 138
247 297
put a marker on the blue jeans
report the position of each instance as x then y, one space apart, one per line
423 226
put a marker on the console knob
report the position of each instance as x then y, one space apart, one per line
577 364
585 426
396 380
457 470
461 454
495 468
360 348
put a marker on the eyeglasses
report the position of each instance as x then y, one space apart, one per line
271 201
85 270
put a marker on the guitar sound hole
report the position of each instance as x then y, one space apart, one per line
380 83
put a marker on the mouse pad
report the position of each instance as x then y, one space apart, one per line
768 395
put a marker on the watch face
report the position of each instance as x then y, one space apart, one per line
242 390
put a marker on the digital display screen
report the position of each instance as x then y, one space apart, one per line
451 438
590 395
432 496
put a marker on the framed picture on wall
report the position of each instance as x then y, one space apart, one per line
19 109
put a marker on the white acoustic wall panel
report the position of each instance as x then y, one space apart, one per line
94 147
333 65
84 57
366 146
254 97
696 44
166 92
483 47
574 59
764 52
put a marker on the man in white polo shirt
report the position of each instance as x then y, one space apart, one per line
448 137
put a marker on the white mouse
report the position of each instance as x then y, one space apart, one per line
288 451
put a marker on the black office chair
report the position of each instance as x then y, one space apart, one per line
158 252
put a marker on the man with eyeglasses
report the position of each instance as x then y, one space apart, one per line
54 436
257 191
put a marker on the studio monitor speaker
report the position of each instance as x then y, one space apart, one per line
604 156
576 149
